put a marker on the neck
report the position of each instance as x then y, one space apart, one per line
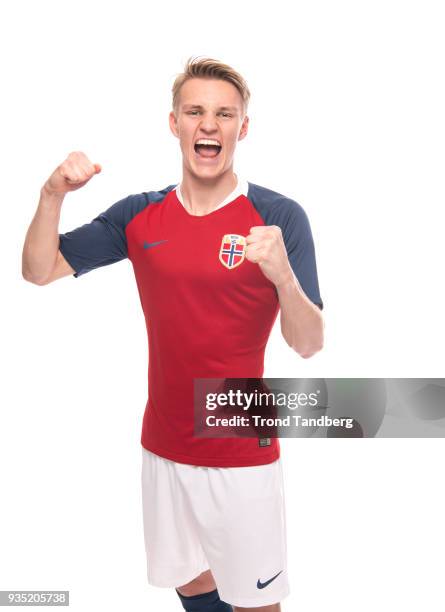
201 196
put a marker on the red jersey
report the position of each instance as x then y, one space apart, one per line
208 310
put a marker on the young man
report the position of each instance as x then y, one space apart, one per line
215 258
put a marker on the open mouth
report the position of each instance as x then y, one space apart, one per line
208 148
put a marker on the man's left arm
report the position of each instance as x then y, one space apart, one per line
301 320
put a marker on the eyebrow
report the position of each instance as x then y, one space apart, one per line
224 108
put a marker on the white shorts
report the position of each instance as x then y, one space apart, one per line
230 520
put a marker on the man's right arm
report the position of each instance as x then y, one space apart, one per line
42 261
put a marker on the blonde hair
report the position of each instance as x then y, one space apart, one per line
207 68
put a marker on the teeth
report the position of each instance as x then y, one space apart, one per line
206 141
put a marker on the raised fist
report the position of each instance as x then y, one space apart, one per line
73 173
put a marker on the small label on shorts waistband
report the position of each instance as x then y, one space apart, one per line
264 441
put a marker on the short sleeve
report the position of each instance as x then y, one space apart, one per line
277 209
300 249
98 243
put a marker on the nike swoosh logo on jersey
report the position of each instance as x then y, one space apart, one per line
148 245
262 585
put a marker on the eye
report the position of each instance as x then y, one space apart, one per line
225 114
192 112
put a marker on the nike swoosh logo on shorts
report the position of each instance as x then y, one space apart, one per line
148 245
262 585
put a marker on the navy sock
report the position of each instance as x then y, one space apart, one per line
204 602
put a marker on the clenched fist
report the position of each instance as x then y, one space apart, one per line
265 247
72 174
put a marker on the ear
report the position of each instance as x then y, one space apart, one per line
244 128
173 124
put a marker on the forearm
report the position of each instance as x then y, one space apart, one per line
42 239
301 320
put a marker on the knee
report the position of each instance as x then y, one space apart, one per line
204 583
201 595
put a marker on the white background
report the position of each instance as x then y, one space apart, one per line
347 118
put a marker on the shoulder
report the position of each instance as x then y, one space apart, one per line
275 208
122 212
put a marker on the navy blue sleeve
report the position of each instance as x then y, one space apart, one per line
102 241
290 217
300 249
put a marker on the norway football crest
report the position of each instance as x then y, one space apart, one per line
232 251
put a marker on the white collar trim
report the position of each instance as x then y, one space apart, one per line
240 189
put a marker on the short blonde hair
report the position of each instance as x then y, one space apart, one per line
207 68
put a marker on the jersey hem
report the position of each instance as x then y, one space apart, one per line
216 461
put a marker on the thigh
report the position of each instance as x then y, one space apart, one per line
242 525
174 553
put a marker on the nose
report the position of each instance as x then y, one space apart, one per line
208 123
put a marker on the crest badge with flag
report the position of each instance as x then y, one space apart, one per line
232 251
